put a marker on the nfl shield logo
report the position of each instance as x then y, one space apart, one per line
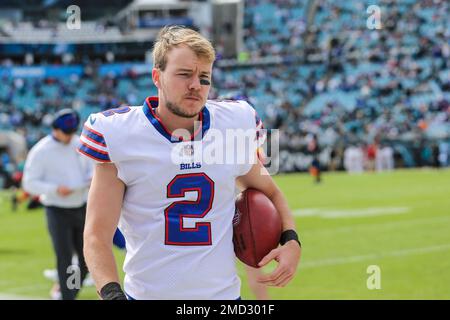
188 150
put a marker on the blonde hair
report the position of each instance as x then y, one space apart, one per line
170 37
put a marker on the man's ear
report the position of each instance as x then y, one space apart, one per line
155 77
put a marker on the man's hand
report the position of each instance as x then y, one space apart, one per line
64 191
288 257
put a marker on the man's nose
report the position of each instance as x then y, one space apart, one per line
194 84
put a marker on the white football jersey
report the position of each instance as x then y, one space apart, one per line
179 202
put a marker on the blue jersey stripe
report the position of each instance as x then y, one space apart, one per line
85 149
93 136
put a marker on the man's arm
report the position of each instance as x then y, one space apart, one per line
288 255
103 213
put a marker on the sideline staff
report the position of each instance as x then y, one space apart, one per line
55 171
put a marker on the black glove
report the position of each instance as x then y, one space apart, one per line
112 291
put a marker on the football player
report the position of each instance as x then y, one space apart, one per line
175 209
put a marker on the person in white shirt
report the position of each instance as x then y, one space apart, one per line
385 158
56 172
353 159
174 206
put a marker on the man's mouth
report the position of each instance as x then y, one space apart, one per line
193 98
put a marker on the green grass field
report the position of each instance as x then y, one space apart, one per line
398 221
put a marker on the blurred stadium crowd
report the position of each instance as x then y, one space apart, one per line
310 73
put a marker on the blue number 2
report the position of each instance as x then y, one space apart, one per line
119 110
176 233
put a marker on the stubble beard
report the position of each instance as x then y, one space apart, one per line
177 110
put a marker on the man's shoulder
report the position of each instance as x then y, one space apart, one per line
228 104
232 113
232 109
45 142
111 118
104 130
42 146
119 114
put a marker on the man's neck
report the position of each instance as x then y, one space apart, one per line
173 122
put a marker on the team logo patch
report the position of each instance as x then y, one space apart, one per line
187 151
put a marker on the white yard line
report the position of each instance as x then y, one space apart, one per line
352 259
28 288
329 213
9 296
16 293
388 224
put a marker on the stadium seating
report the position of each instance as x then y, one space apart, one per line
389 85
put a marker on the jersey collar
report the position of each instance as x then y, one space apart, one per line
151 103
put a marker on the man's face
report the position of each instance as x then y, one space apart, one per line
180 84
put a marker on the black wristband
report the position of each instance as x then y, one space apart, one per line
289 235
112 291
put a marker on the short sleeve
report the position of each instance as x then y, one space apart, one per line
256 127
92 142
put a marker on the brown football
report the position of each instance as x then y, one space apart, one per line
256 227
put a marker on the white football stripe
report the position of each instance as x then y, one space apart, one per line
7 296
349 213
352 259
378 226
